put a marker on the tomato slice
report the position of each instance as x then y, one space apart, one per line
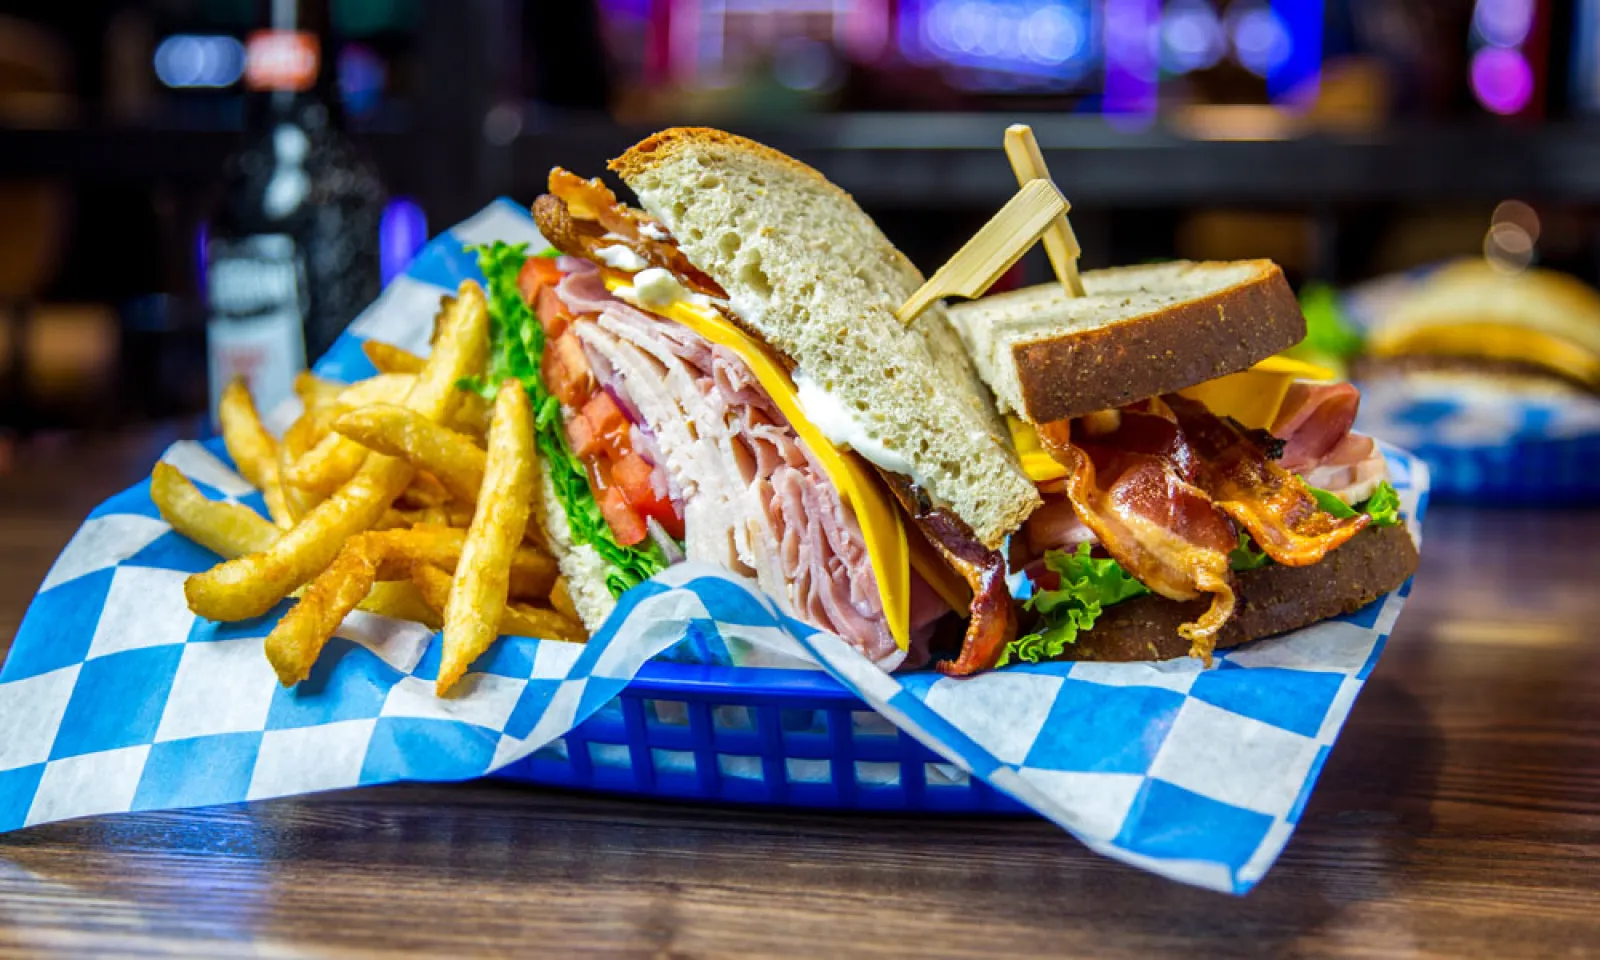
537 272
626 525
552 311
566 370
607 422
634 476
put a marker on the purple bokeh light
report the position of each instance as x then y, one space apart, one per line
1502 80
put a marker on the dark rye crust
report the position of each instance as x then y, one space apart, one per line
1273 599
1161 352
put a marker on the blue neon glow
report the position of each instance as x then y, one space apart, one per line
401 233
1299 71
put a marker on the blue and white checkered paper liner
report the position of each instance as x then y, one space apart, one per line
115 698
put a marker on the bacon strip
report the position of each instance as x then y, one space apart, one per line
1263 497
578 217
993 621
1133 485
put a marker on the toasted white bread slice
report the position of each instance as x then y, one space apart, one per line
811 273
1138 332
582 565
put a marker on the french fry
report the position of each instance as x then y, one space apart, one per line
227 529
425 491
472 417
533 573
327 466
450 456
293 645
252 448
561 600
400 600
528 620
483 575
389 358
394 431
248 586
314 391
232 530
384 388
520 619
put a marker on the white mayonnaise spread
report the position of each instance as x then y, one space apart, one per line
654 232
839 424
658 289
621 258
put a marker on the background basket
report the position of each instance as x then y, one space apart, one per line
754 735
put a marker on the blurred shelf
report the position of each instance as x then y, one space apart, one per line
955 160
158 155
948 161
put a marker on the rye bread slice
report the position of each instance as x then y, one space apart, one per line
1271 600
1140 332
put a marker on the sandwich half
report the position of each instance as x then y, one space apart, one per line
720 378
1198 490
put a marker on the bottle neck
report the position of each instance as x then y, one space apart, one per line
291 64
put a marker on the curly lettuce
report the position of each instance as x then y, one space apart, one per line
1088 586
516 347
1383 506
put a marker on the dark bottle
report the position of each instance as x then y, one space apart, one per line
292 254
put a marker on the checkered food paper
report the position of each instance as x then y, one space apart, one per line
115 698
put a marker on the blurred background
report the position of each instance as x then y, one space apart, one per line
1343 138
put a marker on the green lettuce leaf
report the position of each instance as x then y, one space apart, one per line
516 347
1088 585
1383 506
1330 338
1246 556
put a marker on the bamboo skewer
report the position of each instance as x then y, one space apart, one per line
992 250
1060 244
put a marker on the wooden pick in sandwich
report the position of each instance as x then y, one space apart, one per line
1027 161
992 250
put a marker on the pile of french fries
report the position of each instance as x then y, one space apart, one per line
401 495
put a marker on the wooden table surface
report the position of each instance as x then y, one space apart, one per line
1458 816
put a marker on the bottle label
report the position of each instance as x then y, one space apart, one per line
257 294
285 60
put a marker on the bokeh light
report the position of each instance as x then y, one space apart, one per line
1502 80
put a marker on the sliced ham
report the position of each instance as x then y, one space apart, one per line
1313 420
754 499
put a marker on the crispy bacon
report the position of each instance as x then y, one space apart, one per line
1273 504
1134 487
993 621
579 216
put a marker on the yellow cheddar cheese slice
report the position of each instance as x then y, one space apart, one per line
882 524
1251 396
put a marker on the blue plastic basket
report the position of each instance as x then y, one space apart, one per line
1532 472
754 735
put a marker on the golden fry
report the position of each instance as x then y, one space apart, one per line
252 448
400 600
425 491
248 586
227 529
293 645
389 358
520 619
483 575
527 620
314 391
472 417
327 466
394 431
561 600
384 388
